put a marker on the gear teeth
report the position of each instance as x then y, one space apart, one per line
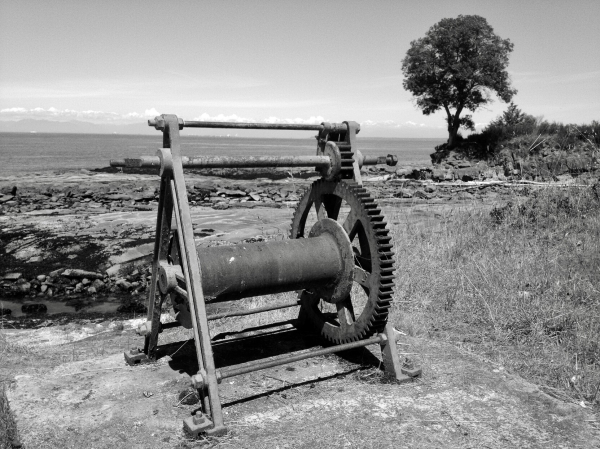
374 316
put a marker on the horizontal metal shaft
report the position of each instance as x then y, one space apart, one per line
234 125
262 268
276 306
229 161
231 371
334 127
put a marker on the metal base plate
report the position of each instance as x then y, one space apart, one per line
200 423
135 357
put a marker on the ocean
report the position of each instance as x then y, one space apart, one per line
39 152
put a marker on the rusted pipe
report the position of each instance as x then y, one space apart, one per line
332 127
229 161
236 370
320 162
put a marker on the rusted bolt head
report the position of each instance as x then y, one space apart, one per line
199 418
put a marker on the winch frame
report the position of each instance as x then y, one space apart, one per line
335 162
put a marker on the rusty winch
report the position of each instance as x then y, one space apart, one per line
347 249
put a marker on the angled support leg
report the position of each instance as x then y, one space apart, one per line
171 160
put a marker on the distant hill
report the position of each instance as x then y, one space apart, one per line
75 126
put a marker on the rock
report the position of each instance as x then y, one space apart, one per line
6 198
565 179
467 174
118 197
123 284
422 195
12 276
404 172
234 193
44 287
98 285
91 291
430 188
78 287
403 193
85 281
74 273
41 277
24 287
464 196
463 164
56 273
34 308
189 397
379 178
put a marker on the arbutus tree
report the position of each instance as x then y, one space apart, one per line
456 67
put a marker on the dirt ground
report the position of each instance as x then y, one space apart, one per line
73 389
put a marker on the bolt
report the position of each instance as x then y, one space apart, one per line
199 418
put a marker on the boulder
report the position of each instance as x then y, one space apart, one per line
123 284
80 274
467 174
404 172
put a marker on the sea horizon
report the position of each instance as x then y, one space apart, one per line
40 152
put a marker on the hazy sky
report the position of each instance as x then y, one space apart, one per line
119 61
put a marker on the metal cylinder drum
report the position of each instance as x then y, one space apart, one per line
253 269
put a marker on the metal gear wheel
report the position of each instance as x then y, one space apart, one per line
373 257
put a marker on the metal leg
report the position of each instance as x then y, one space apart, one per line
389 353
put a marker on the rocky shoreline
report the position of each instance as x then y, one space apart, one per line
83 237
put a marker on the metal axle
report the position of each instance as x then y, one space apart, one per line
336 127
320 162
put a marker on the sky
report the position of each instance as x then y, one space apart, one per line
298 61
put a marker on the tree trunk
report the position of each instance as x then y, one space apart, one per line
453 127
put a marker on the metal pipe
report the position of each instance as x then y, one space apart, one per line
234 125
332 127
231 371
229 161
254 269
281 305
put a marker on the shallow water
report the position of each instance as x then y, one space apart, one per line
55 307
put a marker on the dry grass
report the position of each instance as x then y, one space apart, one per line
8 427
519 285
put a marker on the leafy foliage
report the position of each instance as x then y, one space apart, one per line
514 124
455 67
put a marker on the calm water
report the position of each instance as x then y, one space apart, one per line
24 152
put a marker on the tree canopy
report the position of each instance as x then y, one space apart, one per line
456 67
